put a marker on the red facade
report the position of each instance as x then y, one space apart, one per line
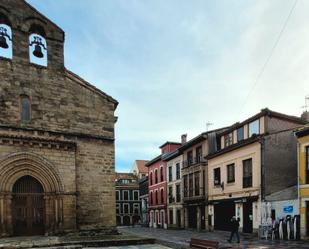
157 187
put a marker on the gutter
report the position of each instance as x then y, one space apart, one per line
298 176
298 173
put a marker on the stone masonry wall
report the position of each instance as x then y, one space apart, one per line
64 107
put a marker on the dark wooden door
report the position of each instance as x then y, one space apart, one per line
192 215
178 218
223 213
247 216
202 217
28 207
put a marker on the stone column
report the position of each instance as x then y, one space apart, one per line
50 205
8 216
206 218
186 223
198 218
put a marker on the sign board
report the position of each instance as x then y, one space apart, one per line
288 209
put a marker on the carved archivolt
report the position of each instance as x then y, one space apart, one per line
16 165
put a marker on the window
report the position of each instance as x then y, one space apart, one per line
136 208
197 183
37 46
126 181
170 194
254 128
135 195
185 186
156 176
247 173
307 164
25 108
151 198
162 196
240 134
117 208
157 198
190 158
177 171
171 216
230 172
198 154
161 174
178 197
126 208
150 179
217 177
117 195
190 185
170 174
6 45
228 139
125 195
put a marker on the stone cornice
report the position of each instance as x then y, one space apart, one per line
36 142
69 135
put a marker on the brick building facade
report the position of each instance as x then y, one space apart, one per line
157 195
56 134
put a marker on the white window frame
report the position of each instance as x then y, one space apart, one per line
119 199
134 191
123 195
123 205
136 206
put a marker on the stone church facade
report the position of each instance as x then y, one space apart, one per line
56 134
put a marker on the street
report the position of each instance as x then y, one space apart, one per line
180 238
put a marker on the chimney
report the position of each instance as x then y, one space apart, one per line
305 116
183 139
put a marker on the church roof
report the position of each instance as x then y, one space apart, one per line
89 86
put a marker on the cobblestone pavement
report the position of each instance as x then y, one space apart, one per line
154 246
180 238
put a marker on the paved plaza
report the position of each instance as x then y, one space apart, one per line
180 239
148 246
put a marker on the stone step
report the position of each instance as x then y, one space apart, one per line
62 247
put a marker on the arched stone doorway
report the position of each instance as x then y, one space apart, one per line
28 174
28 209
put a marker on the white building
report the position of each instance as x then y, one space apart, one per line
174 163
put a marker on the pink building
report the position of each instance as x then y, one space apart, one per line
157 188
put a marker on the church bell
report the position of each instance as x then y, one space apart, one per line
3 43
38 51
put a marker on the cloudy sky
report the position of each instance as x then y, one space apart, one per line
175 65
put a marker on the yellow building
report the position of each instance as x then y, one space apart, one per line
303 169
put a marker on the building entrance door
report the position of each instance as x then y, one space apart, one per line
28 207
247 216
223 212
178 218
192 215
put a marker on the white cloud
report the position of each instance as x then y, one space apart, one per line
174 65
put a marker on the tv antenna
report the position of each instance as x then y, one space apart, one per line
306 106
208 124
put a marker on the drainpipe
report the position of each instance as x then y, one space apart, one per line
262 142
262 168
298 178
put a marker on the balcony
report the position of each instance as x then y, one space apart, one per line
193 161
198 194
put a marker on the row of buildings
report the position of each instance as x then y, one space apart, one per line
248 170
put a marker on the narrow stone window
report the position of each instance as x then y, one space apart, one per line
25 107
37 46
6 45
